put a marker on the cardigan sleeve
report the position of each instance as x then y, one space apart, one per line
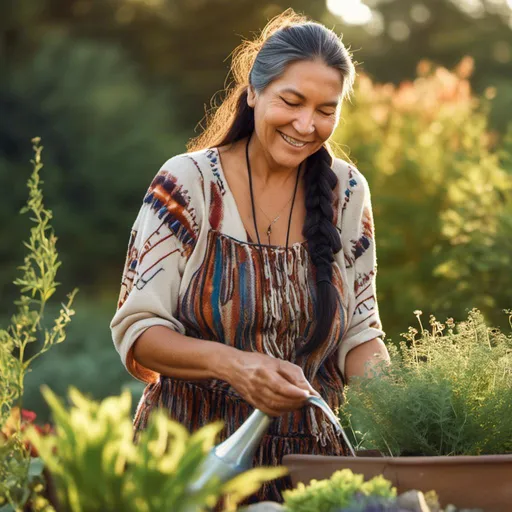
162 239
358 241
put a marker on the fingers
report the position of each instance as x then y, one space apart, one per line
295 375
273 404
272 385
282 386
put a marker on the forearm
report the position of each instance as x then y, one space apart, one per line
174 355
362 360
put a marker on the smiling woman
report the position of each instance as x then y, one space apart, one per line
300 107
217 322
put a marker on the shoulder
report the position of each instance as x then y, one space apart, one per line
185 168
182 177
349 175
176 193
353 187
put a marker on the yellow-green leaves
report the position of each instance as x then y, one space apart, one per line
248 483
97 466
335 492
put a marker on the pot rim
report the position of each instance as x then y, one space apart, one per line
406 461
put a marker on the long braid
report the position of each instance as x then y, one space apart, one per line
323 241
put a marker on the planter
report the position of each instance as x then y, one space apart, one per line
483 481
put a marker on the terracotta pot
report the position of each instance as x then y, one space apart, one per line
483 481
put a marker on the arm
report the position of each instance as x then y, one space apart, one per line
170 353
363 358
267 383
362 343
162 241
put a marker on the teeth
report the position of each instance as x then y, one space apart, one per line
293 142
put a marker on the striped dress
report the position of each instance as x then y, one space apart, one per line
192 267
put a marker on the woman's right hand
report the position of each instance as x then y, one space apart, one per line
272 385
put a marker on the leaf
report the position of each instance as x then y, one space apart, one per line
250 481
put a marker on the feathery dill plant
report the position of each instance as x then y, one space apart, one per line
448 391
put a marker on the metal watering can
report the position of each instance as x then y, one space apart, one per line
235 454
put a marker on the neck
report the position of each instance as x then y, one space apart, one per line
264 167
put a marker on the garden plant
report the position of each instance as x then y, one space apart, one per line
24 340
448 391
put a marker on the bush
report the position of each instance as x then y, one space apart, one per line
441 186
109 132
447 392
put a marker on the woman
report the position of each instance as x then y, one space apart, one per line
250 276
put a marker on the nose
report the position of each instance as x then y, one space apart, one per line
303 124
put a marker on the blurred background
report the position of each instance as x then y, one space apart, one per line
116 87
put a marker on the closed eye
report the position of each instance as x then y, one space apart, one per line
327 114
290 104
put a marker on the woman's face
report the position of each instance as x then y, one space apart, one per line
298 112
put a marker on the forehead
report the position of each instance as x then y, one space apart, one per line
313 79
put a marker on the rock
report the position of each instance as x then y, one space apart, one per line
265 506
413 501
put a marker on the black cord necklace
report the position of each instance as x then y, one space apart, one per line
249 171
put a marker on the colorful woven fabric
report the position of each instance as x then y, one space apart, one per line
191 267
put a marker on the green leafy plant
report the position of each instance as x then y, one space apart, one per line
448 391
26 335
96 465
337 492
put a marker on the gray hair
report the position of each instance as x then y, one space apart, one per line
302 42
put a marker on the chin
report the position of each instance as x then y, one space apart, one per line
285 158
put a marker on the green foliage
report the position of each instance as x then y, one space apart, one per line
97 466
37 285
87 361
441 189
448 391
109 132
338 491
450 28
22 479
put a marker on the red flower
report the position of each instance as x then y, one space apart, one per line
28 416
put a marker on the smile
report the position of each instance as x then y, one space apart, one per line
293 142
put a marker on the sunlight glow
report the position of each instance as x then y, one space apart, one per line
352 12
474 8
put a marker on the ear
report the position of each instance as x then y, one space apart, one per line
251 96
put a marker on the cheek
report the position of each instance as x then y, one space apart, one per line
325 127
276 117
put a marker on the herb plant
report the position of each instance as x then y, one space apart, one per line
448 391
19 473
343 489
